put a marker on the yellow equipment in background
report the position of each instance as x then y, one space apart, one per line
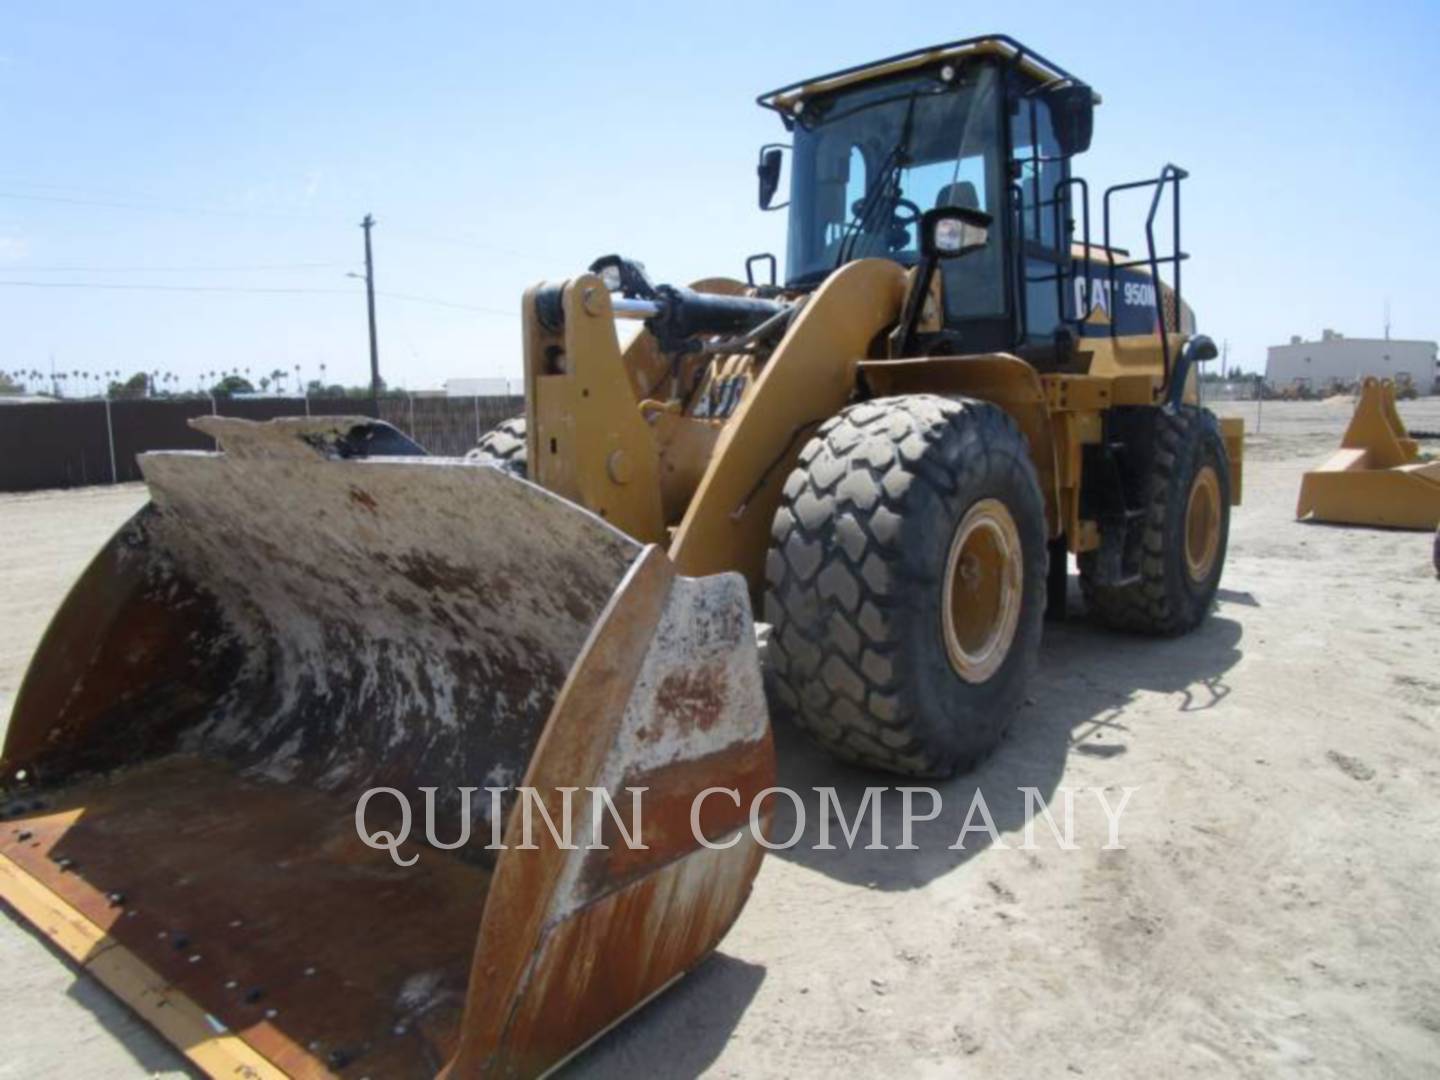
1378 476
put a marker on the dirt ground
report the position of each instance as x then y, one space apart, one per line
1273 910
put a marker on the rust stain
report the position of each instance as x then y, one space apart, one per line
613 955
666 825
692 700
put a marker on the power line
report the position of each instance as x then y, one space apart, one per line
85 190
445 303
460 240
111 285
121 286
159 207
177 269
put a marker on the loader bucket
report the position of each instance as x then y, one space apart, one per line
290 623
1378 476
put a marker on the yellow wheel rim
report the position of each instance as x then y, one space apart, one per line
1202 524
984 579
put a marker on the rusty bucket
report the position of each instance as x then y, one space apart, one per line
313 612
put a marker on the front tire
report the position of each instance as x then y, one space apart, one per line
905 583
1186 529
503 446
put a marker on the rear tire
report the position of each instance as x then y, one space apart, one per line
1186 489
503 446
905 583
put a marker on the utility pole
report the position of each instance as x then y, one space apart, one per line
367 225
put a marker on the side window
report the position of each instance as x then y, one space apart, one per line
973 176
1039 169
849 186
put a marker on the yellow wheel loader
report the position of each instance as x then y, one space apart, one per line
891 453
956 386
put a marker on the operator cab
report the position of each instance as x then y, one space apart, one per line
983 125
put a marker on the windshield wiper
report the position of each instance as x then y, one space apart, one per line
892 164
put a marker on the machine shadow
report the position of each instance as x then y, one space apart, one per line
151 1054
1086 681
697 1016
699 1012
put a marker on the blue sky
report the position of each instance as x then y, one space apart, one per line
203 149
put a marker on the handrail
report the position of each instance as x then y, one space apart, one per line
1170 174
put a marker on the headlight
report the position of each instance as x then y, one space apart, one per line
949 235
950 231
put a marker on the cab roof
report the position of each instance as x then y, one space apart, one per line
1026 59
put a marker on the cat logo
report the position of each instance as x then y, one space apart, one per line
1100 312
1137 298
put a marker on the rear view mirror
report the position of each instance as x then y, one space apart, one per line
948 232
1202 348
1072 116
771 157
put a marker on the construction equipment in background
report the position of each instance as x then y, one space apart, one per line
896 449
1378 476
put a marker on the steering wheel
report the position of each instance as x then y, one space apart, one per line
903 214
911 215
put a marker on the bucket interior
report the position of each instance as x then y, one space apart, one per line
258 902
266 641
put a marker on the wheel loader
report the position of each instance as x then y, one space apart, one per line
889 456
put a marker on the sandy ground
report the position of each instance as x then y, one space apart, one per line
1273 910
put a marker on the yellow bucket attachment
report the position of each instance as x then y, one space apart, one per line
1378 476
294 621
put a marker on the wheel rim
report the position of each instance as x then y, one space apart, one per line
983 586
1202 524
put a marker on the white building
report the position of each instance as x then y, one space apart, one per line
1339 359
481 387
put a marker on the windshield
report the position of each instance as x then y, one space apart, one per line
868 162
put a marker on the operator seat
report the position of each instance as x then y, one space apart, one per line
961 194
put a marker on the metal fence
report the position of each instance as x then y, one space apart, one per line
74 443
448 426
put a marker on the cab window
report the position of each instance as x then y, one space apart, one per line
1039 173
